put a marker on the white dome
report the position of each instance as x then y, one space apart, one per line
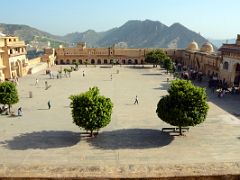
193 46
207 47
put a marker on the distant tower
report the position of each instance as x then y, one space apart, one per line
82 45
238 40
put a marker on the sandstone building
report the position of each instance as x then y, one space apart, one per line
229 68
84 55
13 61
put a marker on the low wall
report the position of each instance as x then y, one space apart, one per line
37 67
34 61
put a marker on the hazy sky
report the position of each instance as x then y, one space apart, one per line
212 18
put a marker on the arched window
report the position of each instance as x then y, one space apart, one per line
225 65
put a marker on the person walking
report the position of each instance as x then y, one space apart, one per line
136 100
46 85
49 104
20 111
83 74
36 82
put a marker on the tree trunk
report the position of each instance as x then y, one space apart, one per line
9 108
180 130
91 133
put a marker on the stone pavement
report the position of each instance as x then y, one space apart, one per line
45 143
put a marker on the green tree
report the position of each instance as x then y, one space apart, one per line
155 57
8 94
168 65
184 106
90 110
76 65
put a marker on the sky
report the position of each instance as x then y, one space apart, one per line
213 19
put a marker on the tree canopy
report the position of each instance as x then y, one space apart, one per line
90 110
8 94
184 106
168 65
155 57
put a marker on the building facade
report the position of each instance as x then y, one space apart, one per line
230 66
84 55
202 59
13 60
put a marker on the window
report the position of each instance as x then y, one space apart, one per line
225 65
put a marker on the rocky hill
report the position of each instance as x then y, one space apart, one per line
134 33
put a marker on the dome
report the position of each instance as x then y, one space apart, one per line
193 46
207 47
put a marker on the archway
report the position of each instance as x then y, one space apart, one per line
105 61
99 61
129 61
19 68
236 74
68 61
92 61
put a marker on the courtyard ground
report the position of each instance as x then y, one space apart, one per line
45 143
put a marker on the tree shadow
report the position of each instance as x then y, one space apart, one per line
42 140
152 74
163 86
131 139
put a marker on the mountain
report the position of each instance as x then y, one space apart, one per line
29 34
151 34
134 33
90 36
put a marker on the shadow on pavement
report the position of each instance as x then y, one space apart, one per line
163 86
152 74
43 140
229 103
131 139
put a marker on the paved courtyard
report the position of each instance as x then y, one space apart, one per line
46 143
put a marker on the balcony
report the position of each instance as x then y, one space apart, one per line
17 54
16 44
